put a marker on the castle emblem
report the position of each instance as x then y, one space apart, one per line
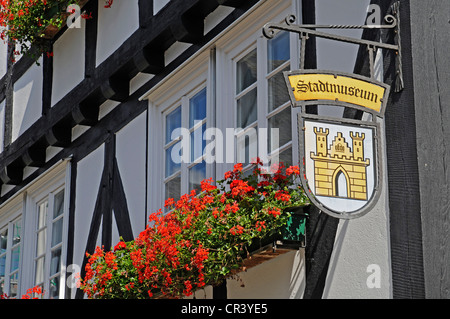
340 171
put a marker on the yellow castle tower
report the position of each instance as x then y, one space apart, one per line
339 165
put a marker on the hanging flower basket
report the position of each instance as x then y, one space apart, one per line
32 23
204 238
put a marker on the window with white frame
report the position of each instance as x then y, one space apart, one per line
185 124
45 232
10 257
261 100
49 231
49 238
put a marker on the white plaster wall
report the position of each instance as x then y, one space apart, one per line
131 159
361 253
215 17
280 278
3 57
68 61
27 105
89 173
115 25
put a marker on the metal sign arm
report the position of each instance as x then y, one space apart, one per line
305 30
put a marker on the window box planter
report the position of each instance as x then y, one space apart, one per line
291 236
51 30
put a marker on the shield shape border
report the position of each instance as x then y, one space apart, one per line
375 124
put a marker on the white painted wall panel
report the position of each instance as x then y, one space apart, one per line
89 173
362 245
280 278
68 61
3 57
27 106
131 159
115 25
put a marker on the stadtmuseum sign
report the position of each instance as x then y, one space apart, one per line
341 157
332 87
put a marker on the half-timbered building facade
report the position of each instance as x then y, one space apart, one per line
85 135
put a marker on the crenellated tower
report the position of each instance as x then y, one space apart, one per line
321 141
358 145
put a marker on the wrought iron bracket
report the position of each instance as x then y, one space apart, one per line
306 30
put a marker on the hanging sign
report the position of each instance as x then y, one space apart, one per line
332 87
341 157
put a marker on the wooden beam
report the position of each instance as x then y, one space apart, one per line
12 174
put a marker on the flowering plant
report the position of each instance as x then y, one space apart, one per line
201 241
25 21
32 293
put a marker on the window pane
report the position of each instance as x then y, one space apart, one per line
54 287
278 51
173 159
57 232
285 157
282 122
42 214
197 173
247 109
3 247
197 108
15 259
198 143
173 122
278 92
247 146
3 241
41 242
58 208
173 188
13 285
2 267
39 274
55 262
246 71
17 232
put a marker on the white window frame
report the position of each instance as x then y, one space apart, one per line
11 213
57 179
214 66
246 36
177 91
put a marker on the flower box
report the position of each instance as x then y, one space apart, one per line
51 30
292 235
294 232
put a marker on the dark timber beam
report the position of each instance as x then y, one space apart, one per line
115 88
60 135
231 3
35 155
85 114
12 174
188 29
149 60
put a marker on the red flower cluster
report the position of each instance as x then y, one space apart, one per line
200 241
32 293
26 21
